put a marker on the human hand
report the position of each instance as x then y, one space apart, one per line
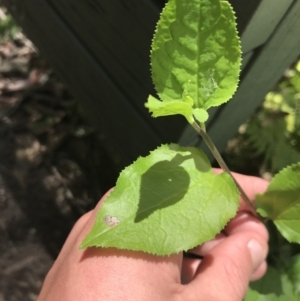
235 257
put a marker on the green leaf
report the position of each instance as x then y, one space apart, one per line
184 108
164 203
8 27
274 286
159 108
293 273
200 114
271 283
196 46
281 202
253 295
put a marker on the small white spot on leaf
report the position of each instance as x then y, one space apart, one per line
111 221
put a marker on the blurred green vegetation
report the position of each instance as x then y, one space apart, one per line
8 27
274 131
270 139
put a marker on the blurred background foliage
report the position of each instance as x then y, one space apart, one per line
8 27
274 131
270 139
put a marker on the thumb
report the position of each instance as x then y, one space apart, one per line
225 272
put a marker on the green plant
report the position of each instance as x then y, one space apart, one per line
275 128
195 61
8 27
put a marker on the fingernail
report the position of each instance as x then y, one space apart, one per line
258 253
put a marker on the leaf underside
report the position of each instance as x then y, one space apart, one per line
164 203
196 52
281 202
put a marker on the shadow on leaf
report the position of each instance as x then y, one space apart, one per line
162 185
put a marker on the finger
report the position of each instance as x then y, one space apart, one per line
260 272
206 248
246 222
191 265
242 222
230 264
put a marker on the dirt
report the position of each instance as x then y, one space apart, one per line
53 168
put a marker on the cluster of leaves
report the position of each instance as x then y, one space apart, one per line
195 61
195 58
274 131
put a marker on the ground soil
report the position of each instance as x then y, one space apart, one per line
53 168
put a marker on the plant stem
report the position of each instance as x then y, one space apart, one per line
201 131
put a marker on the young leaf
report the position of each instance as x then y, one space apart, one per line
281 202
159 108
200 115
164 203
196 47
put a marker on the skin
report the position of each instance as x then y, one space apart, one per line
235 257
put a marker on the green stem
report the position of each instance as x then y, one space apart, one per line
202 126
201 131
